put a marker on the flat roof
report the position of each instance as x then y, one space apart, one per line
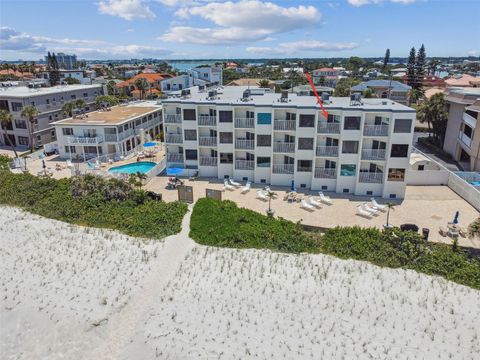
115 116
24 91
232 96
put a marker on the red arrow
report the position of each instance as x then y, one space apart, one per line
325 113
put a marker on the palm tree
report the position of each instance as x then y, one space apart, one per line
474 229
141 84
415 95
30 113
5 119
68 107
390 206
264 83
270 194
137 179
80 104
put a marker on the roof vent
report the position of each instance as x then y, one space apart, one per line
246 95
325 97
212 95
384 102
185 93
356 99
284 96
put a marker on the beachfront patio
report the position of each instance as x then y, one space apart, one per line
429 207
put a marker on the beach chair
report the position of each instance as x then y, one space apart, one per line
314 202
261 195
378 206
246 188
325 199
369 209
58 167
227 186
194 176
69 164
362 212
234 183
305 205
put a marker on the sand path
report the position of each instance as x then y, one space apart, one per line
121 326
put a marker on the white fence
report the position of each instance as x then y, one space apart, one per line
428 177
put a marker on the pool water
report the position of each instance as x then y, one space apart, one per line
475 183
141 166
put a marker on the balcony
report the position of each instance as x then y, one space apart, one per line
464 139
375 130
111 137
244 164
174 138
328 128
370 177
207 141
373 154
173 119
244 123
244 144
208 161
469 120
206 120
175 157
283 168
76 140
328 151
284 125
325 173
125 134
283 147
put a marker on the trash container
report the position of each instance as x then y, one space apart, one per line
425 233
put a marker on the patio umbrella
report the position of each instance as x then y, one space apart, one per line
43 164
293 188
455 219
174 171
150 144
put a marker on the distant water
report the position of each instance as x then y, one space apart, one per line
187 65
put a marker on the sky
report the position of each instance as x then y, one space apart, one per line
205 29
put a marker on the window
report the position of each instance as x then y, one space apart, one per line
333 118
47 101
402 126
305 143
264 119
16 106
226 138
191 155
348 170
263 161
190 135
73 97
399 150
396 174
306 120
467 130
352 123
32 103
226 158
22 140
20 124
304 165
70 149
67 131
421 167
189 114
349 147
264 140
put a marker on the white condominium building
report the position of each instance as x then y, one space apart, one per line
362 147
114 132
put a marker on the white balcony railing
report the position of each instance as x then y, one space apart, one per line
327 151
244 144
76 140
125 134
328 128
174 138
173 119
370 177
244 164
375 130
373 154
325 173
207 120
465 139
244 123
111 137
283 147
207 141
208 161
174 157
284 125
283 168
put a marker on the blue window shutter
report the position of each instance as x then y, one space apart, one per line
264 119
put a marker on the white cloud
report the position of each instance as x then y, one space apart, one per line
291 48
130 30
473 53
368 2
126 9
212 36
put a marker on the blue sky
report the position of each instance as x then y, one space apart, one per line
172 29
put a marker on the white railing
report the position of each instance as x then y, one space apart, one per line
207 141
327 151
157 169
244 123
111 137
244 144
283 147
244 164
208 161
174 138
125 134
173 157
465 139
283 168
76 140
207 120
173 119
375 130
325 173
370 177
284 125
328 128
373 154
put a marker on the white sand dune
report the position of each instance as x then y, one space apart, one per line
195 302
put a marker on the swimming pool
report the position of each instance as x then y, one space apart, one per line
141 166
475 183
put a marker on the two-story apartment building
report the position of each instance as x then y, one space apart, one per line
198 76
386 89
325 76
361 148
49 102
462 138
116 131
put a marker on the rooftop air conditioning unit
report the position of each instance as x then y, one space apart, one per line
325 97
246 95
284 96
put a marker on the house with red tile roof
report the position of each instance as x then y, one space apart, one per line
153 83
463 81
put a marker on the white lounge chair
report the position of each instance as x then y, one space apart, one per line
305 205
227 186
325 199
261 195
69 164
369 209
314 202
234 183
378 206
246 188
362 212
